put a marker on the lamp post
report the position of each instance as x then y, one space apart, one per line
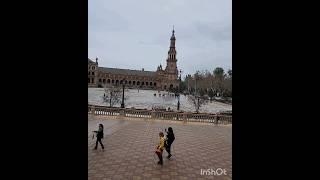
178 106
122 103
196 94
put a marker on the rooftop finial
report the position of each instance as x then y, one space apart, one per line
173 29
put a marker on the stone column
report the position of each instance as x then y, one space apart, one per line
93 109
122 112
153 114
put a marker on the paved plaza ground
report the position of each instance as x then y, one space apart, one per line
130 145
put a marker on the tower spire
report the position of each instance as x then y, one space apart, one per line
172 39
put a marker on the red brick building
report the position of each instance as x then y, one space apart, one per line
161 79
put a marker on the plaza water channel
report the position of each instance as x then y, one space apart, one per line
145 99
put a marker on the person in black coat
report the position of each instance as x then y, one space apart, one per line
169 140
99 135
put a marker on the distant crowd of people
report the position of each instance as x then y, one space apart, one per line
155 108
166 95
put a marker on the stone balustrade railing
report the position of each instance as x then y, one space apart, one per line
165 115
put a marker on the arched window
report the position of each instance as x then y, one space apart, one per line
92 73
104 81
112 81
100 80
142 83
150 83
138 83
147 83
108 81
155 84
129 82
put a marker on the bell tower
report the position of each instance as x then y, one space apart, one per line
171 68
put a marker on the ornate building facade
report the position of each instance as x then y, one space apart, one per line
161 79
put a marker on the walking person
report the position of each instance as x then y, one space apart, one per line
99 135
169 140
160 148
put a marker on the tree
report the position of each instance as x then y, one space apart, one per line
196 101
211 94
112 95
188 82
218 78
227 86
201 92
218 72
230 73
182 86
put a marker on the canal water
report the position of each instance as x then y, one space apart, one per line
145 99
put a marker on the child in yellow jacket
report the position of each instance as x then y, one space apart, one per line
160 148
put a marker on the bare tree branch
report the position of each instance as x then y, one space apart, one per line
112 95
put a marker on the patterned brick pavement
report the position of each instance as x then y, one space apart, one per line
130 145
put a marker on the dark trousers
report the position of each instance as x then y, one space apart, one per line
99 140
160 156
168 148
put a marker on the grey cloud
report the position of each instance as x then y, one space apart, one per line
136 34
215 31
109 21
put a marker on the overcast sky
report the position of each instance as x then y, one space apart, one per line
135 34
